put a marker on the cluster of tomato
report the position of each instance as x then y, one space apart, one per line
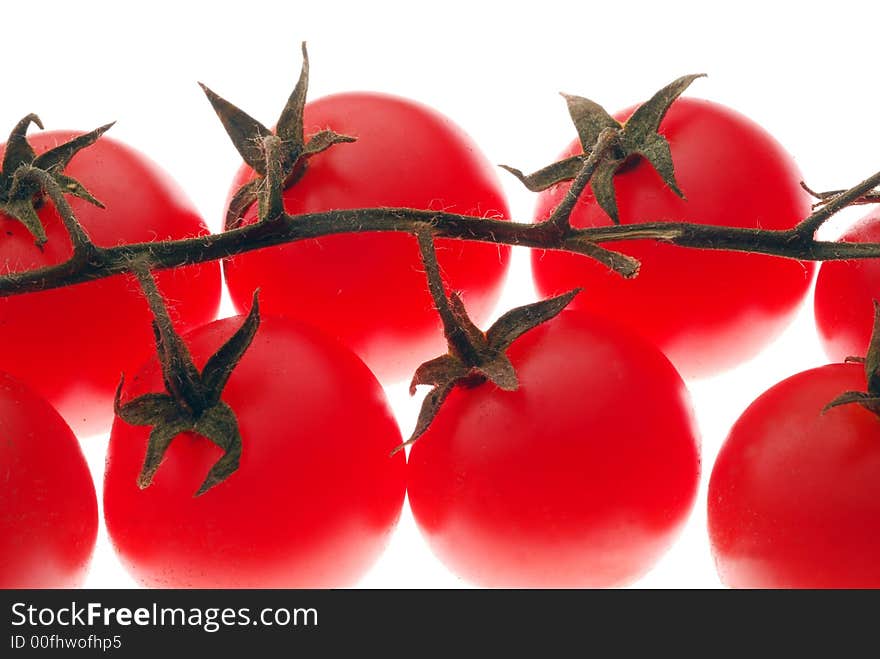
582 476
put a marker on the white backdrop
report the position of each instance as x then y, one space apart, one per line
805 74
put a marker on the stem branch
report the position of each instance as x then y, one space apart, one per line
452 329
562 214
807 228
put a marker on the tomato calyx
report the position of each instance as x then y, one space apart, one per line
250 138
191 402
870 399
474 356
637 137
23 175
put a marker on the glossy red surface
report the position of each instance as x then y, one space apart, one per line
580 478
71 344
794 497
707 310
48 509
316 496
369 289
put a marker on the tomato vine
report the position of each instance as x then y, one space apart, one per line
91 262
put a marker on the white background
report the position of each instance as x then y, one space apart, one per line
807 74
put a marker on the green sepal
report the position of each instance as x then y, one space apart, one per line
323 140
192 401
646 118
589 119
500 372
436 371
516 322
20 194
290 124
870 399
872 357
563 170
657 152
431 405
161 436
248 137
640 137
220 425
18 149
57 158
245 132
23 211
143 410
485 361
242 199
602 185
73 187
222 363
636 137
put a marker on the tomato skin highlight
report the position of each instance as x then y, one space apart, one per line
86 335
707 310
316 496
844 295
369 289
580 478
48 507
794 497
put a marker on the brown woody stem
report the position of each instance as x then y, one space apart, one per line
453 331
796 243
807 228
562 214
271 202
108 261
180 373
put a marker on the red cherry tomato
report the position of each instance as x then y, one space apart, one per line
369 289
86 335
794 497
48 508
316 496
707 310
580 478
845 292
